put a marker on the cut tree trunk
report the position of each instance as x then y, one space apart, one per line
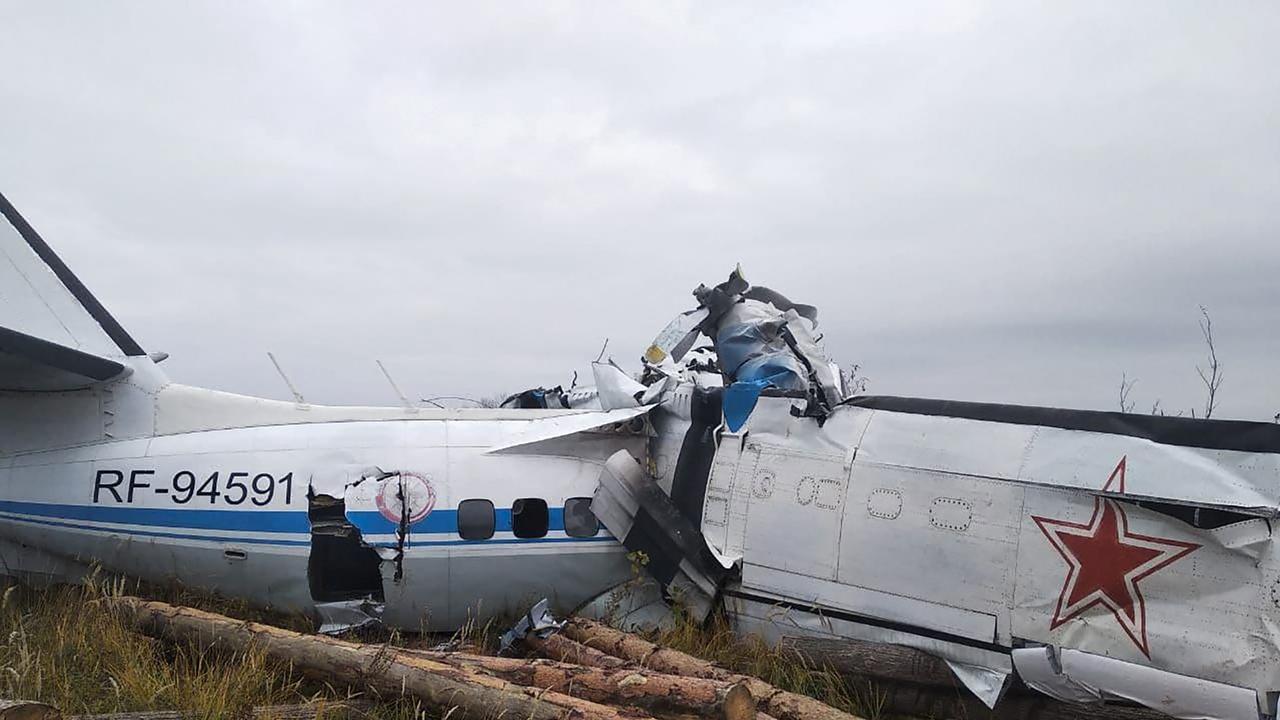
653 691
442 686
778 703
304 711
873 660
27 710
559 647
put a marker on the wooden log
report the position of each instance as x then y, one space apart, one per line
638 687
881 661
441 686
778 703
302 711
27 710
559 647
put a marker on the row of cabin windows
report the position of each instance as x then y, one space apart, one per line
530 518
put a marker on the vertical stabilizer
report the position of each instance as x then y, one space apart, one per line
41 298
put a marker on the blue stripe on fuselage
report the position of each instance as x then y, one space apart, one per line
282 521
286 542
285 521
439 522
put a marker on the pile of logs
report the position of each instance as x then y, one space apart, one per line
586 671
589 671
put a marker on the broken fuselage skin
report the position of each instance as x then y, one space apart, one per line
296 506
1099 555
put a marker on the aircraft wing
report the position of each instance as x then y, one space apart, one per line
54 334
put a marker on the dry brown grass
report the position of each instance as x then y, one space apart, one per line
60 647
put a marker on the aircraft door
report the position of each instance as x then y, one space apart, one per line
724 507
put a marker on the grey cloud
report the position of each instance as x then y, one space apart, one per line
1014 201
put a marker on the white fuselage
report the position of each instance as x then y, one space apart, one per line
227 508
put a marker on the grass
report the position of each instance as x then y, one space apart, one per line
751 655
59 646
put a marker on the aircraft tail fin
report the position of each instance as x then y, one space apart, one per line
54 334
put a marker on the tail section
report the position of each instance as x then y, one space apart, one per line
54 334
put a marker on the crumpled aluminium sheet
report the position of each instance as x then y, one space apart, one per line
754 353
538 621
342 615
1079 677
763 340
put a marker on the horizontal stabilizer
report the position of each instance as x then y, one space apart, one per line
28 363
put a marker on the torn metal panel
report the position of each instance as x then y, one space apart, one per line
541 430
538 621
647 522
386 506
636 605
616 388
758 350
677 338
987 684
754 354
724 503
1078 675
1039 669
761 340
344 615
332 480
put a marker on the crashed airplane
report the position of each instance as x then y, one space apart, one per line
1094 555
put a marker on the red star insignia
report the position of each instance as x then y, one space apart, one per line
1106 562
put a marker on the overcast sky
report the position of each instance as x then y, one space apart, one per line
1005 202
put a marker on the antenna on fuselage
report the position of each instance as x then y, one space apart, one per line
403 400
297 396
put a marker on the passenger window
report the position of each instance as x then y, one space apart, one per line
529 518
475 519
579 521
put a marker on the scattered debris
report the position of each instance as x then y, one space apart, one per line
536 623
